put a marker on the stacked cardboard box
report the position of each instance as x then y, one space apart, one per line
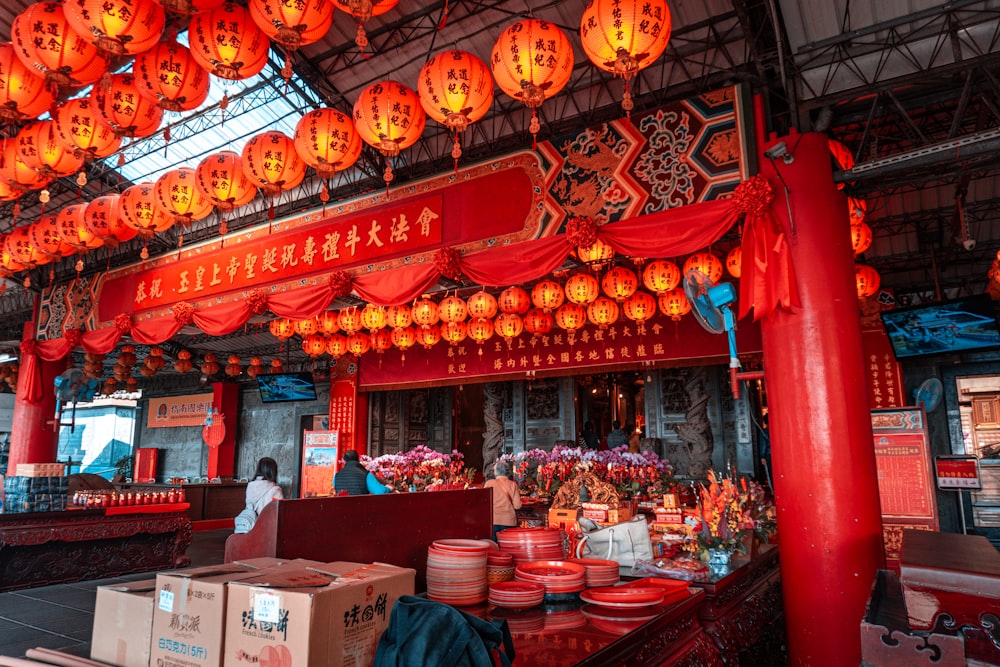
35 494
261 611
40 469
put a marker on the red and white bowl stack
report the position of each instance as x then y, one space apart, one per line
516 594
531 544
456 571
556 575
600 572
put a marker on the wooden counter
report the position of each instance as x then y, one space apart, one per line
41 548
209 501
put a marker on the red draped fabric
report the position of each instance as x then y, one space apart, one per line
30 374
768 279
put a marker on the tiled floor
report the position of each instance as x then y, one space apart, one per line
62 616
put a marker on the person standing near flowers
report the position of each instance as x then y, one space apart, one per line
352 479
506 498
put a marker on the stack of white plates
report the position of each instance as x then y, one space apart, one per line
456 571
556 575
600 572
531 544
516 594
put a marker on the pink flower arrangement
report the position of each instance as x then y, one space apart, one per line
420 469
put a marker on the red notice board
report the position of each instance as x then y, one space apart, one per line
905 480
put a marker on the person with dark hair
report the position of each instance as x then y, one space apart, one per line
617 437
352 479
589 438
506 497
264 487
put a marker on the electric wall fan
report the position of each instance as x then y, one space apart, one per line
710 304
73 386
928 395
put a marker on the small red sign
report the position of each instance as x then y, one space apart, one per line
957 472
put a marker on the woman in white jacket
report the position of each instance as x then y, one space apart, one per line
264 487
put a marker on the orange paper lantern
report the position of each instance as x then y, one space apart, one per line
101 218
571 316
639 307
538 321
398 317
381 340
71 225
79 129
425 312
602 312
44 42
452 309
221 179
314 345
404 338
226 42
23 250
373 317
532 61
271 163
119 105
661 276
596 255
455 89
620 283
170 77
509 325
547 295
305 327
482 304
178 196
358 343
281 328
429 335
23 94
327 141
16 172
292 24
734 262
582 288
336 345
861 237
118 27
867 280
138 209
674 304
40 149
707 263
480 329
45 236
454 332
389 118
514 300
349 320
362 10
326 322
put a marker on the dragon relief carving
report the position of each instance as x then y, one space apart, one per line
585 198
493 433
695 451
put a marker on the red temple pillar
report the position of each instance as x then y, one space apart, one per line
34 436
226 402
825 483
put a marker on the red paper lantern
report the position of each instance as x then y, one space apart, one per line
867 280
571 316
23 94
620 283
45 236
532 61
170 77
104 213
358 343
861 237
596 255
547 295
582 288
7 261
43 152
429 335
373 317
454 332
707 263
509 325
480 329
388 116
425 312
117 26
734 262
336 345
455 89
44 41
79 130
639 307
314 345
16 172
381 340
452 309
857 209
292 24
221 179
178 196
138 209
404 338
9 192
326 322
271 163
349 320
539 322
625 36
482 304
72 227
661 276
674 304
23 250
119 105
226 42
281 328
514 300
602 312
327 141
362 10
398 317
306 328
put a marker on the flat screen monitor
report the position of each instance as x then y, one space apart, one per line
953 326
286 387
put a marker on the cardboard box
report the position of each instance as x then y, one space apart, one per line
189 615
333 615
562 519
123 623
40 469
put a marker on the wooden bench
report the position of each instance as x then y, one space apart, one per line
394 528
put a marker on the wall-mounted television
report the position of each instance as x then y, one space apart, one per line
286 387
953 326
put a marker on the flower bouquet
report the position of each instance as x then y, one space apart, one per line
726 513
420 469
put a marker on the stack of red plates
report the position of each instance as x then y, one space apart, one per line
673 590
456 571
600 572
530 544
623 597
556 575
516 594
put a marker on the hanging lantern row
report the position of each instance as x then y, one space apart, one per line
72 44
